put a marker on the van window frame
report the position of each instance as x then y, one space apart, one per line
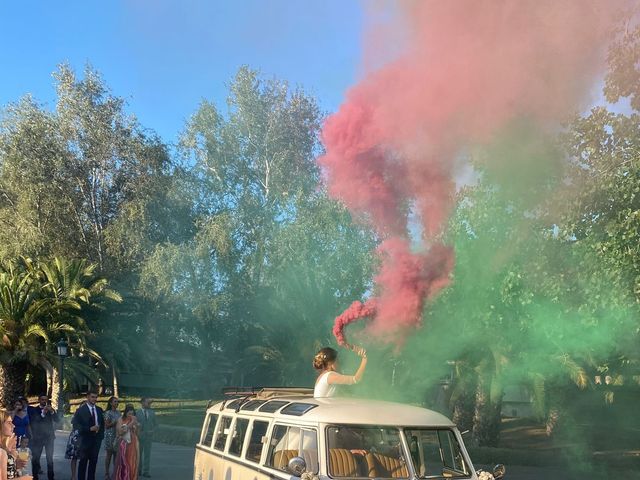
267 434
277 423
233 431
205 429
226 441
456 437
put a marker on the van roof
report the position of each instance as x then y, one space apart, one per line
343 410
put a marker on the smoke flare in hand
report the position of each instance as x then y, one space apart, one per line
468 70
356 311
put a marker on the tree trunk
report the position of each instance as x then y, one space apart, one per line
12 382
486 418
48 369
114 373
556 411
55 386
49 383
463 410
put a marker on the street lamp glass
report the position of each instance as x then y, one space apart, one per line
62 348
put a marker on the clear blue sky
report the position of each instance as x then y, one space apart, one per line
164 56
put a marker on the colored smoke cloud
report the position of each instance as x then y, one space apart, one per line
468 70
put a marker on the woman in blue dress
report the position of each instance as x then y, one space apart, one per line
21 427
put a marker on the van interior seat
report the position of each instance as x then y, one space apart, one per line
342 463
281 458
384 466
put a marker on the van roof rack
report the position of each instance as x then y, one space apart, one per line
264 393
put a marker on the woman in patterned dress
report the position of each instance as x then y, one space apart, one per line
111 417
9 461
72 451
127 440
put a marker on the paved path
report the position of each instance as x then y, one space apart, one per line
171 462
168 462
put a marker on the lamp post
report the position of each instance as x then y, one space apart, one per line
62 353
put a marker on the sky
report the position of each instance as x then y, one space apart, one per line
165 56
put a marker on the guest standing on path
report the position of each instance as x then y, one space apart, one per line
89 421
128 446
9 461
43 419
21 427
147 420
111 417
24 454
72 452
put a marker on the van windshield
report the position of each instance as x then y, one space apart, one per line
365 452
436 453
377 452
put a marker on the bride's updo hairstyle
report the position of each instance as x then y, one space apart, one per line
324 357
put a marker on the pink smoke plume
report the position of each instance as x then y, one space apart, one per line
468 69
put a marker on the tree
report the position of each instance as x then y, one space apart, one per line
41 303
28 320
75 281
601 216
267 245
86 181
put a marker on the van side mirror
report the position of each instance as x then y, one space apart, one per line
499 471
297 466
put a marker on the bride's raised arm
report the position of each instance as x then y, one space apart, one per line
336 378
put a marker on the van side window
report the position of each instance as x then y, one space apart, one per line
237 438
366 451
258 432
222 433
210 428
288 442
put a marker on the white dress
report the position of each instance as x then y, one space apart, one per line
323 388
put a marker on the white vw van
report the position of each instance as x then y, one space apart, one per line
279 433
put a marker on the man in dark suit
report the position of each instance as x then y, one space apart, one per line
42 419
89 421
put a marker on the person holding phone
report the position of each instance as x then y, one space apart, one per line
43 419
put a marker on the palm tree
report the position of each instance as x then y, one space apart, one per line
28 321
75 281
41 303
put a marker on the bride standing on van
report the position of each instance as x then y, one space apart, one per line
326 361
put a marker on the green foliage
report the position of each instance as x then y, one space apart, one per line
272 260
83 181
545 282
41 303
